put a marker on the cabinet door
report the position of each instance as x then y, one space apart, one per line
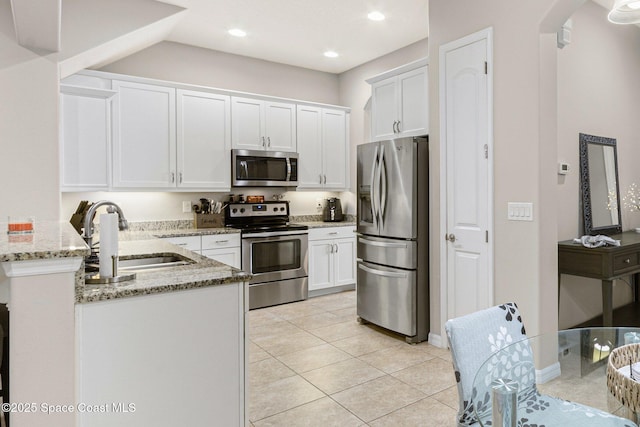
280 126
335 149
86 143
310 149
320 264
345 261
204 140
192 243
384 109
144 136
414 103
229 256
247 124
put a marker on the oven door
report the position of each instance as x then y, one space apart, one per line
272 256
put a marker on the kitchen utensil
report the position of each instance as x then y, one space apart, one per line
205 206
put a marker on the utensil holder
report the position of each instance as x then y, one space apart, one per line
208 220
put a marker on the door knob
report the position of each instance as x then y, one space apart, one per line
450 237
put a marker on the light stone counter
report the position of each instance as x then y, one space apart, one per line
50 239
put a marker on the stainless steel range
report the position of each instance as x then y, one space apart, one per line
273 251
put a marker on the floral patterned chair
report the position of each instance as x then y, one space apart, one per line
474 338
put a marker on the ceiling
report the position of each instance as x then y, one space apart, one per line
298 32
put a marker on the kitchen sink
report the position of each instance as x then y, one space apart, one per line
128 267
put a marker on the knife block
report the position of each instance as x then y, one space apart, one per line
208 220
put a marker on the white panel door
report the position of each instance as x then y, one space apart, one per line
86 143
204 140
335 150
280 126
144 136
246 122
345 261
414 103
467 179
309 147
229 256
384 109
320 264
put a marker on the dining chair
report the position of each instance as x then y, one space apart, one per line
475 338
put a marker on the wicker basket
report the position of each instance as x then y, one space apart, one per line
626 390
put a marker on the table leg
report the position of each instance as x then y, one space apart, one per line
607 303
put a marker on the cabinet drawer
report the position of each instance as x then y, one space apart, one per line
624 261
188 242
216 241
323 233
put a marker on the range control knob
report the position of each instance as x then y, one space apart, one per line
241 210
275 209
234 210
282 209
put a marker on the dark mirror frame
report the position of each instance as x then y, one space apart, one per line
585 187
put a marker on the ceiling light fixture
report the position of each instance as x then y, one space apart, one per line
625 12
331 54
237 32
376 16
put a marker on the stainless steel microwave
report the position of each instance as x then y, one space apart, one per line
255 168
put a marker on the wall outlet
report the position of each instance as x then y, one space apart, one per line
319 205
186 206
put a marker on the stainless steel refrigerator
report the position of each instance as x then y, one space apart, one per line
393 222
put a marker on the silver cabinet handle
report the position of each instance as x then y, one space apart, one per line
268 141
330 249
325 179
320 176
382 273
394 126
333 233
336 245
180 177
398 126
263 143
173 177
220 242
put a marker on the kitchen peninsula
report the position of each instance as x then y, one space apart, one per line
165 349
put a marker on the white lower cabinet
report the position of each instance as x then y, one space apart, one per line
332 257
224 248
163 360
192 243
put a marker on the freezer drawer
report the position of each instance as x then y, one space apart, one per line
394 252
387 297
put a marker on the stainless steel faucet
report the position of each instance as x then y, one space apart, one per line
91 213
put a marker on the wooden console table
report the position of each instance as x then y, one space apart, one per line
605 263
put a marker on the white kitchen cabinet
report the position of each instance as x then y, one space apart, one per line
399 104
263 125
85 131
144 121
224 248
187 348
323 148
203 140
332 257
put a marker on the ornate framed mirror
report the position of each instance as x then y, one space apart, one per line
599 185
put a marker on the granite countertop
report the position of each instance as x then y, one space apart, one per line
201 273
50 239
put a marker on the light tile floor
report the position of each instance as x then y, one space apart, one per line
312 364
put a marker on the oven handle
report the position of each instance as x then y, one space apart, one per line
275 234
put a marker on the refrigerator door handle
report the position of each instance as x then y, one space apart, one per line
383 187
382 273
382 244
379 164
373 188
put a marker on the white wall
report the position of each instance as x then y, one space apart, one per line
598 94
28 128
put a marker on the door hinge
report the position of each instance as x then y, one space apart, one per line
486 67
486 236
486 151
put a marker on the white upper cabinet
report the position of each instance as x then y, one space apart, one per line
144 136
400 102
85 130
263 125
204 140
322 148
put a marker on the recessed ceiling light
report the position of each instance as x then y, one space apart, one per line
376 16
331 54
237 32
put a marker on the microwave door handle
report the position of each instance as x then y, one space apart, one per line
244 169
288 160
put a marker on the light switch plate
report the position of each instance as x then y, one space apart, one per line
519 211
